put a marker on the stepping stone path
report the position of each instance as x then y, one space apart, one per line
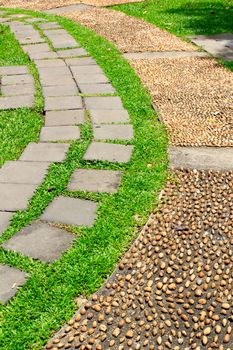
65 72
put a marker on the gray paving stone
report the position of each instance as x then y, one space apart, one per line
69 8
81 61
17 15
72 117
49 25
20 89
17 79
5 219
13 70
104 116
113 132
45 152
53 71
89 69
60 90
57 80
109 102
209 158
63 102
10 281
40 241
43 55
108 152
12 102
72 53
219 45
35 19
59 133
37 48
96 88
19 172
15 196
163 54
57 62
90 78
61 39
93 180
71 211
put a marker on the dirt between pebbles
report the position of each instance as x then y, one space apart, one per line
193 97
174 288
129 34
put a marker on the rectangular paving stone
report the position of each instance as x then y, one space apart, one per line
104 116
12 102
5 219
19 172
90 78
60 90
72 52
13 70
105 102
59 133
108 152
53 71
56 62
89 69
44 47
57 80
42 55
49 25
93 180
61 39
70 117
96 88
63 102
10 281
40 241
17 79
113 132
35 19
15 197
45 152
16 90
71 211
208 158
81 61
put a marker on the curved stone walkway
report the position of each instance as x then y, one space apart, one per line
65 70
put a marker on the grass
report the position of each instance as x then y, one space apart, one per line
185 17
46 301
17 127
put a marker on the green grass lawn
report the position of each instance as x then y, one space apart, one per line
18 127
185 17
46 301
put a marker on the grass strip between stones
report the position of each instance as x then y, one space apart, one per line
46 301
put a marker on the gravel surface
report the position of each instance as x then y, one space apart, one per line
173 289
194 98
129 34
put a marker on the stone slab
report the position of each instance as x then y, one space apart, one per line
89 69
49 25
57 62
208 158
53 71
72 52
15 197
19 172
70 117
35 19
59 133
10 281
90 78
43 55
45 152
163 54
96 88
219 45
81 61
67 9
5 219
17 79
71 211
58 80
12 102
92 180
40 241
109 102
17 90
62 103
108 152
60 90
113 132
13 70
36 48
105 116
61 39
